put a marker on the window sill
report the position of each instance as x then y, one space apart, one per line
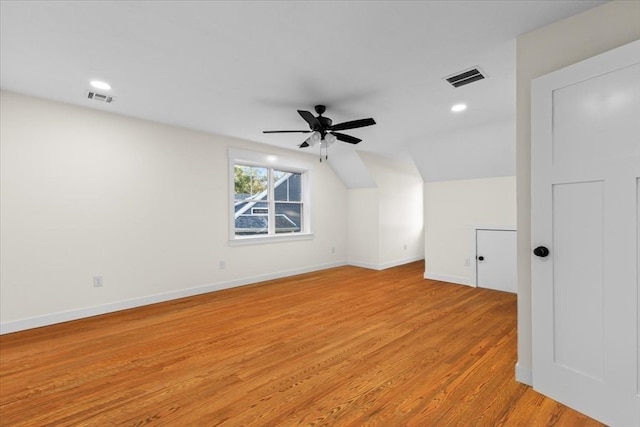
256 240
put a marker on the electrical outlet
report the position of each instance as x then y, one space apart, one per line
467 262
405 247
222 265
97 281
333 249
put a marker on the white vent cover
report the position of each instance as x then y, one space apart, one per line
465 77
100 97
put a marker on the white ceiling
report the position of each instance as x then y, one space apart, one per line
240 67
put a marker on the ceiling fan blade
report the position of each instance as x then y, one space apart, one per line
314 124
286 131
346 138
353 124
304 145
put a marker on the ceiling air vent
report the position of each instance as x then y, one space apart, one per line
100 97
466 77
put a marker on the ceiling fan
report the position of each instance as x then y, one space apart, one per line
323 131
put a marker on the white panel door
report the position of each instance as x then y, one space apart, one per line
496 260
585 170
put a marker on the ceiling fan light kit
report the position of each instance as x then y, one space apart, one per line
323 131
313 139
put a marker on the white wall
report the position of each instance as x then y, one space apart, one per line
386 223
452 208
144 205
538 53
400 205
364 234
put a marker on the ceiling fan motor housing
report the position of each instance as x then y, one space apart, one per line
325 123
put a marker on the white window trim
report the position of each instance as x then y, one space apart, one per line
252 158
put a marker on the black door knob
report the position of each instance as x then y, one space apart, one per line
541 251
480 258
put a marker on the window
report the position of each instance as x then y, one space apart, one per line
270 197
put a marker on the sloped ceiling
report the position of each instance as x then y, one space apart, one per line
240 67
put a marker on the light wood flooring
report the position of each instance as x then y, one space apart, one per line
341 347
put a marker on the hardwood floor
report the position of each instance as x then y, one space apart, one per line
341 347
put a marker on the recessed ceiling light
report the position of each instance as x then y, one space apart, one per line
100 85
459 107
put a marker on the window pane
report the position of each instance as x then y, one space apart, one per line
251 224
288 186
250 182
251 204
288 217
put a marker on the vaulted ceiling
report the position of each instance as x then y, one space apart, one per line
240 67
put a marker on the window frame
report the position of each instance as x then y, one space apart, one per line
271 162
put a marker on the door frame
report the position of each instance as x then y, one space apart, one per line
473 253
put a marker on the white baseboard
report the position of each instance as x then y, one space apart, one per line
80 313
448 278
362 264
402 261
524 375
386 265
